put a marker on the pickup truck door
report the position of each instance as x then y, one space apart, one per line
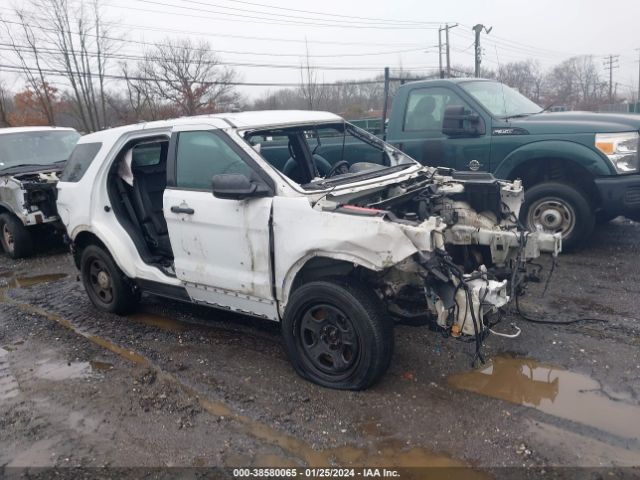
221 247
421 137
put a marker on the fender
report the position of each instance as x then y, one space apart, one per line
285 289
589 159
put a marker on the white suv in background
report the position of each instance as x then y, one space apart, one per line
30 160
299 218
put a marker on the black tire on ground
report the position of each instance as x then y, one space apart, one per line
338 334
558 207
107 286
15 237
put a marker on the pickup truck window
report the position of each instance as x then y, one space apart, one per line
203 154
425 108
500 100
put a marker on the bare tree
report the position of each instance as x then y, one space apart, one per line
4 106
26 46
311 90
576 82
188 75
142 98
80 47
525 76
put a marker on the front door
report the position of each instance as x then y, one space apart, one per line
220 246
422 136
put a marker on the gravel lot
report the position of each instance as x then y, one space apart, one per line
178 385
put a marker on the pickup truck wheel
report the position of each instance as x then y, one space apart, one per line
558 207
336 334
14 236
108 288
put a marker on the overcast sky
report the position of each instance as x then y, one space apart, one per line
356 39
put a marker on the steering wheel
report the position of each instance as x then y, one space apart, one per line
340 168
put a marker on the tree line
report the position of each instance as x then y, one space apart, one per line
66 55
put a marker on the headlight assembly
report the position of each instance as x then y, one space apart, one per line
621 148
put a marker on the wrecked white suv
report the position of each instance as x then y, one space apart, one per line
30 160
270 214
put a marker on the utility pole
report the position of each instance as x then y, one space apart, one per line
440 72
611 62
478 30
637 109
447 28
383 127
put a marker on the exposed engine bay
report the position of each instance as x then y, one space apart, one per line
480 254
30 196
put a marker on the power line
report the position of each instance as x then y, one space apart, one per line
130 26
298 17
322 13
114 56
257 19
231 64
62 73
503 40
272 54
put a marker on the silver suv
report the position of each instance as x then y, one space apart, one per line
30 160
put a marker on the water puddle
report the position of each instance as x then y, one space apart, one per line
26 282
123 352
59 370
98 366
158 321
52 370
555 391
14 281
9 387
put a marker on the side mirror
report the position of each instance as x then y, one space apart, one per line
459 122
236 186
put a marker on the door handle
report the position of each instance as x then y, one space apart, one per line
187 210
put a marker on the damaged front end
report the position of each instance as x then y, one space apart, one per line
30 196
472 254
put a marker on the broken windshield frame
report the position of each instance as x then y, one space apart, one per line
330 139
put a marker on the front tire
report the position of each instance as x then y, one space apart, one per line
107 286
558 207
337 334
14 236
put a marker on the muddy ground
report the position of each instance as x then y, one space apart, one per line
184 386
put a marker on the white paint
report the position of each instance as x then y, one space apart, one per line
222 252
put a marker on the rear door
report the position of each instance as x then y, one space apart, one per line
422 136
221 246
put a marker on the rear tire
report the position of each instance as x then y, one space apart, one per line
558 207
107 286
15 237
337 334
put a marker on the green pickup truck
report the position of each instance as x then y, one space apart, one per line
578 168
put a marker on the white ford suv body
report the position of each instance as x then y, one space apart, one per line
297 217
